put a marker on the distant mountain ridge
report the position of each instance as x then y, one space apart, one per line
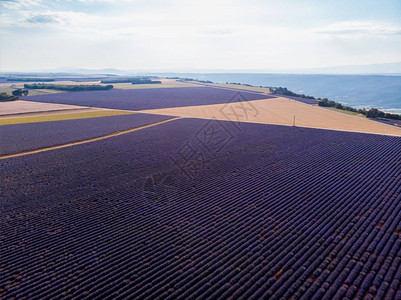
374 69
393 68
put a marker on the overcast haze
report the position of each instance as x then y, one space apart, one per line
198 35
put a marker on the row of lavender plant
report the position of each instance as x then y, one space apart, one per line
282 212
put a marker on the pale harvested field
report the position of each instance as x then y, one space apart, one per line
166 83
8 84
20 84
23 107
9 90
71 82
231 86
51 113
8 87
280 111
65 115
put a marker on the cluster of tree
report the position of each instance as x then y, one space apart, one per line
6 97
371 113
192 79
286 92
375 113
20 92
30 79
69 88
134 80
329 103
15 95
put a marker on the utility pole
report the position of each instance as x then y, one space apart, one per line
293 122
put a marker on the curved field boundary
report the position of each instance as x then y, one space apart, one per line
85 141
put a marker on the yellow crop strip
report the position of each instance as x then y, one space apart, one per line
71 116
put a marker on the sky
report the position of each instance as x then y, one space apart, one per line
203 35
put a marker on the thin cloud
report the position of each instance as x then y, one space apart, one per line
358 29
42 19
57 19
18 4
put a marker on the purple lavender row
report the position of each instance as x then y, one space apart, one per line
389 121
30 136
139 99
251 224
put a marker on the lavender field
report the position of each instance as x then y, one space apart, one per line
30 136
139 99
169 212
389 121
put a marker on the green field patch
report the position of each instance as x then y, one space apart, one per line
70 116
43 92
347 112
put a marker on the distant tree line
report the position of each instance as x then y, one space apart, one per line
133 80
192 79
329 103
371 113
31 79
15 95
69 88
236 83
286 92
